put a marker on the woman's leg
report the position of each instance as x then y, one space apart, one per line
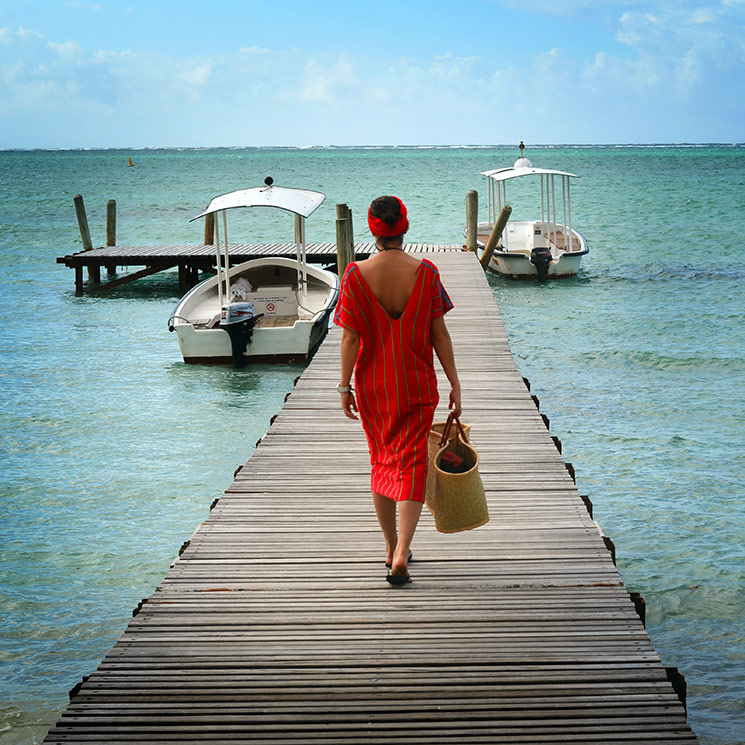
408 518
385 509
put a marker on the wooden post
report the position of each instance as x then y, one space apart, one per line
111 222
472 219
78 280
85 233
678 682
111 231
343 244
496 234
209 229
94 272
350 235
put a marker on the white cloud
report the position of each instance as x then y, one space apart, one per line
254 50
703 15
67 49
323 83
692 48
197 77
26 34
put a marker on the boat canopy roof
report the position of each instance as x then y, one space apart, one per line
503 174
300 201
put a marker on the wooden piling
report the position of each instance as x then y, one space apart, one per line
78 280
496 234
472 219
344 247
350 234
111 222
209 229
85 233
94 270
111 231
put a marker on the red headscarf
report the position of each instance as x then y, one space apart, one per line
380 227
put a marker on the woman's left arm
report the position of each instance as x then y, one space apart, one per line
350 347
443 345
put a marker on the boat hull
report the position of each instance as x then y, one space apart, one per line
292 325
514 260
296 343
519 267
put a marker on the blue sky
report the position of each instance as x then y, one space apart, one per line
150 73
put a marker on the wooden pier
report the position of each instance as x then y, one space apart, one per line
192 259
275 624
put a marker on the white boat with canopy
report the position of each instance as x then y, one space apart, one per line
267 309
544 248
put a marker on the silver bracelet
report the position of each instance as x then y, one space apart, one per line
344 389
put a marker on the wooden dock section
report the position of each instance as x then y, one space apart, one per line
275 624
191 259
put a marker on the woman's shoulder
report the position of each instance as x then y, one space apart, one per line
430 266
351 270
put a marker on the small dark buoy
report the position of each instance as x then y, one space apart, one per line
268 180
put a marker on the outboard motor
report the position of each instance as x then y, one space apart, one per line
239 319
540 258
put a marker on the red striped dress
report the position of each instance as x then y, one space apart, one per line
394 375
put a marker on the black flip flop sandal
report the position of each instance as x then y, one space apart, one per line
398 579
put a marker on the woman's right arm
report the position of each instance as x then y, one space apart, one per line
443 345
350 347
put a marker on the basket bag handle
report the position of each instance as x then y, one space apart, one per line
452 417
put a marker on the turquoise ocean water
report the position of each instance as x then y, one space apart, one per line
112 449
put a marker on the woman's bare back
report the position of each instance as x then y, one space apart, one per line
391 276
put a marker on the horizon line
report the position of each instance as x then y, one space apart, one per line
362 146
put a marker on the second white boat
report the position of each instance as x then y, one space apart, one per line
544 248
267 309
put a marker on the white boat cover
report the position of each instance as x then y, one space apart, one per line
503 174
300 201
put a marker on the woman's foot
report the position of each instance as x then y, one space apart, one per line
389 562
400 563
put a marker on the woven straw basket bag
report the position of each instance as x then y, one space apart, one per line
456 500
433 446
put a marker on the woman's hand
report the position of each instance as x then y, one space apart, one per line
348 405
454 404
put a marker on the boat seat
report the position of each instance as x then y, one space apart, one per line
206 323
559 241
276 321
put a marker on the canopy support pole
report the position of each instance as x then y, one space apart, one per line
227 260
218 262
569 211
564 181
302 272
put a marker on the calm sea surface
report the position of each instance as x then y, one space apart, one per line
112 449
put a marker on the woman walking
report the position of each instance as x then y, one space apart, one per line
391 309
